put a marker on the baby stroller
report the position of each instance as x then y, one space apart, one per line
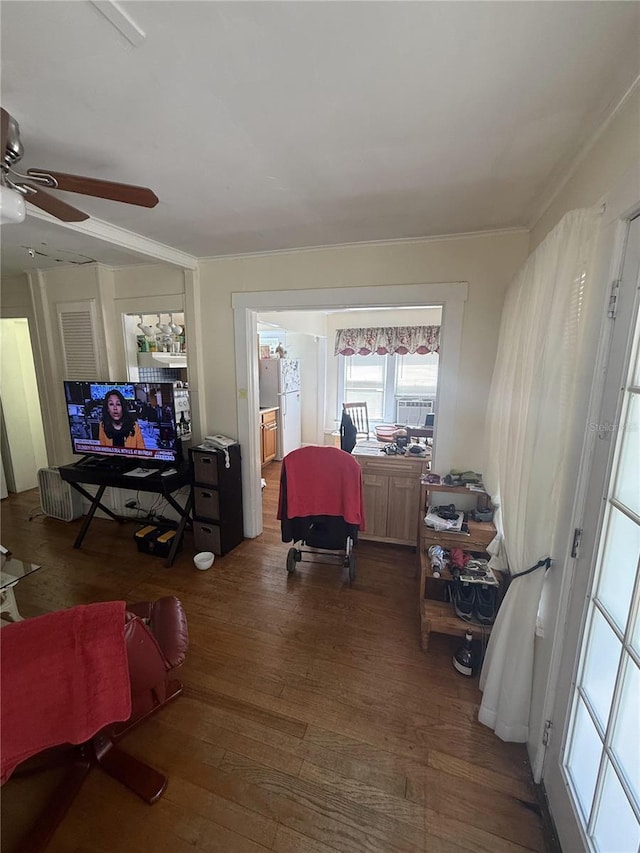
321 505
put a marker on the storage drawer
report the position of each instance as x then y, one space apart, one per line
205 468
206 537
390 466
207 502
477 540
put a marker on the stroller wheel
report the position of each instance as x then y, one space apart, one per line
352 566
291 560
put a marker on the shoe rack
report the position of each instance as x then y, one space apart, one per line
437 614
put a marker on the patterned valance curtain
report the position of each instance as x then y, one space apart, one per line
388 340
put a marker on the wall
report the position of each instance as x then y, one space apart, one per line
22 420
602 175
613 155
303 322
486 262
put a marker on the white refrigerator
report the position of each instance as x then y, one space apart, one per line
280 386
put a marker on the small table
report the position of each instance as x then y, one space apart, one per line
11 573
79 474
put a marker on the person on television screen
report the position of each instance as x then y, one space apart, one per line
119 427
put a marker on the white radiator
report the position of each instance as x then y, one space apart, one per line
413 412
57 498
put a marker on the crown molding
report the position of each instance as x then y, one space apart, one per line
396 241
123 239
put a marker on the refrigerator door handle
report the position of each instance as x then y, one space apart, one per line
283 404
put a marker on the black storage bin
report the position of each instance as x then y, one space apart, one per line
155 539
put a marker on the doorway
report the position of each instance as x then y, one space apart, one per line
450 297
23 442
592 774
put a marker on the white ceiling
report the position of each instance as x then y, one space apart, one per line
273 125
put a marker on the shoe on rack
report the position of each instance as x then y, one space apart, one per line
464 600
485 604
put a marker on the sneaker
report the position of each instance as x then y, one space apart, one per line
464 600
485 604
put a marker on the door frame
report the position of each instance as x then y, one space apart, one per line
607 396
246 306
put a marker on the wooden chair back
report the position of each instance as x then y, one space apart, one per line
360 416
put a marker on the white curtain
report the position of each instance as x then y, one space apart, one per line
528 419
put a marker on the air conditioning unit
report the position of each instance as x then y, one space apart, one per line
413 412
57 498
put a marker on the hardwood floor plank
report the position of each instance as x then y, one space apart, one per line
509 818
467 836
488 778
321 800
367 795
289 841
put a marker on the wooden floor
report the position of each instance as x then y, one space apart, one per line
311 720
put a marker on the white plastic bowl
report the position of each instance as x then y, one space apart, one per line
204 560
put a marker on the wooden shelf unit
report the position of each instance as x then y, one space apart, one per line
436 611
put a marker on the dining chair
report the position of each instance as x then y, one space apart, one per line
360 416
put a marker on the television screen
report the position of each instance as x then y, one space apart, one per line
135 420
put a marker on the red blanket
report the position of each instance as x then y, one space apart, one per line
322 481
64 677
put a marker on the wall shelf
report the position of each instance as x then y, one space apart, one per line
162 359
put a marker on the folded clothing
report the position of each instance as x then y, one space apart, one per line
433 519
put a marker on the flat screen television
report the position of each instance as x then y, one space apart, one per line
125 420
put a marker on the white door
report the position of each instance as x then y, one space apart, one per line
592 771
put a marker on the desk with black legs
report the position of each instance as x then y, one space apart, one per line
79 475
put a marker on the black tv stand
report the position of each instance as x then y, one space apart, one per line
79 475
106 463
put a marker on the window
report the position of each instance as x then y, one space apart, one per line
416 375
364 380
382 381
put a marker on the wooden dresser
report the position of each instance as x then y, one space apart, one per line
391 493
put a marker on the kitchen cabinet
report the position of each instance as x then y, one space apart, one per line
391 493
268 434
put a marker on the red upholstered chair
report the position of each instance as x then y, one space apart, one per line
156 642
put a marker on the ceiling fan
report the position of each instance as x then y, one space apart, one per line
31 185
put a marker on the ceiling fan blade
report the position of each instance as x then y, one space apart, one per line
127 193
4 127
55 206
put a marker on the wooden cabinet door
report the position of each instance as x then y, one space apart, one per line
269 436
376 490
404 495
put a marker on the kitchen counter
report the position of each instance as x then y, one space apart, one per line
391 492
266 409
373 447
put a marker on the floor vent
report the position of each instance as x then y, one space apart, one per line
57 498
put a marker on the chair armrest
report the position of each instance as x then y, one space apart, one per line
167 622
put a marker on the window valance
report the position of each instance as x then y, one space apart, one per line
388 340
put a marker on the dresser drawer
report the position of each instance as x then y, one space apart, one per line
480 535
